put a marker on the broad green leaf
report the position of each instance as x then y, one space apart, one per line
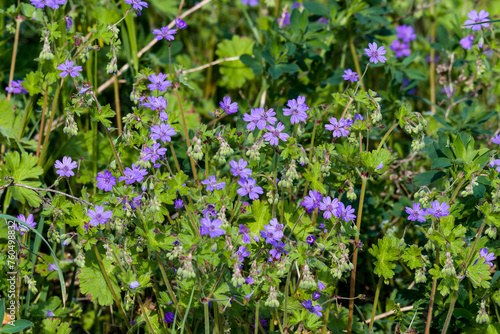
261 215
386 252
18 326
93 282
413 257
234 73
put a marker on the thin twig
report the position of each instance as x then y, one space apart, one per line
37 190
419 8
386 314
215 62
149 46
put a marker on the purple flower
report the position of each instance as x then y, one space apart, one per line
275 134
163 116
54 4
99 216
105 180
349 75
273 231
178 204
134 285
495 162
210 210
137 5
212 183
238 168
247 297
249 281
448 91
163 132
329 207
313 309
16 87
284 19
474 17
164 32
252 123
406 33
153 153
488 257
227 106
69 68
180 24
466 42
439 209
316 296
248 187
252 3
312 201
262 117
321 286
156 103
29 221
242 253
169 317
358 117
323 20
136 174
50 313
339 128
380 166
244 230
496 139
159 82
401 49
279 248
297 109
346 212
416 213
65 168
69 22
211 227
376 54
310 239
134 203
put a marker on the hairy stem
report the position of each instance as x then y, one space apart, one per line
431 303
43 119
193 166
54 105
375 302
355 255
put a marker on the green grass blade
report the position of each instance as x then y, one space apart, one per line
56 262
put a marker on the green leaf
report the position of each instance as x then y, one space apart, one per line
234 73
413 257
176 183
479 273
314 177
426 178
386 252
93 282
18 326
261 212
316 8
251 62
103 116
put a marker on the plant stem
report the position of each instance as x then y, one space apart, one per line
207 318
386 136
54 105
187 310
454 296
40 135
257 319
117 106
275 183
19 19
169 287
375 302
115 297
316 122
432 68
287 288
145 314
431 303
186 134
355 255
356 62
325 321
